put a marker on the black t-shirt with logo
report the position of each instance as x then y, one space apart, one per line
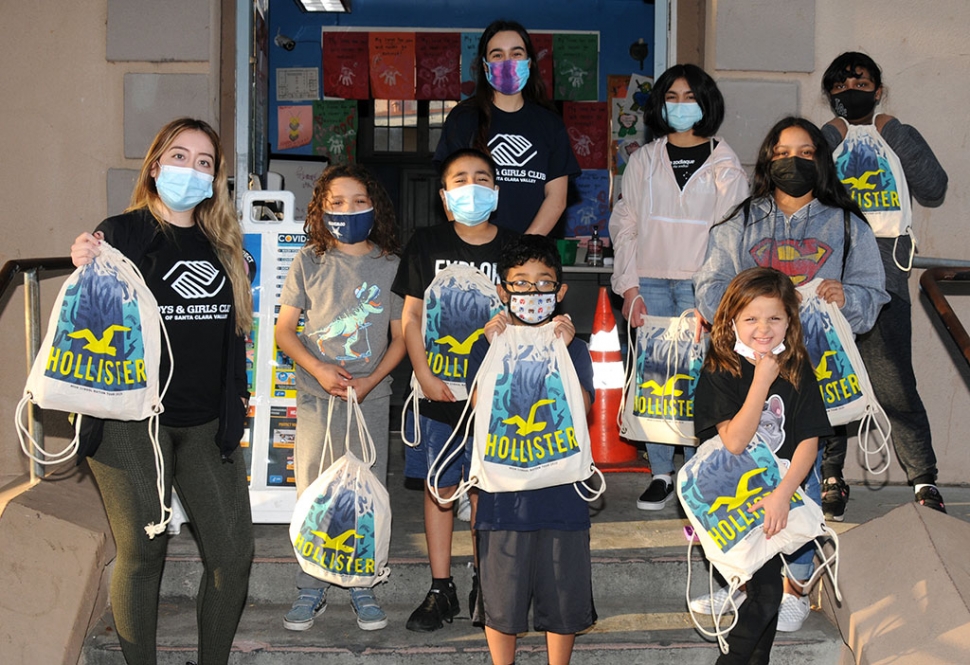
686 161
431 250
194 297
530 148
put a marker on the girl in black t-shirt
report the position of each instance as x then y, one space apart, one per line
182 233
756 355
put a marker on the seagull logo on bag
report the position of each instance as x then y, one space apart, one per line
99 344
742 493
667 388
525 427
338 543
461 348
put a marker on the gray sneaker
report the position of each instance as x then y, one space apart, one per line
370 616
310 604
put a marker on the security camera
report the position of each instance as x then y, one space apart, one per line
284 42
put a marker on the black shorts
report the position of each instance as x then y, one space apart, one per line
548 569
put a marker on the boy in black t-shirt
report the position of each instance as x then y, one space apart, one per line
469 195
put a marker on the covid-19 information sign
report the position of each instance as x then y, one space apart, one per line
270 246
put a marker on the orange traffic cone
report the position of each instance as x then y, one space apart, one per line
609 451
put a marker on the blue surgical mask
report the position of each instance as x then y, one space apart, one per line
471 204
682 117
350 228
507 76
182 188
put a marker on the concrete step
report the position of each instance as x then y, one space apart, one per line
639 578
662 636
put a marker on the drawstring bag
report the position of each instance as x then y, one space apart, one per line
658 395
458 303
842 378
530 419
716 487
100 358
341 526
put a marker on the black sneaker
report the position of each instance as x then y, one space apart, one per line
930 497
438 606
656 495
476 604
835 494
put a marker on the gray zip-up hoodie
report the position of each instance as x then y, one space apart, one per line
805 246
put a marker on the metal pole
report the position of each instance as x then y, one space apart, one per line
931 262
32 329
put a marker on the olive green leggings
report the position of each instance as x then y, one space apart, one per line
215 496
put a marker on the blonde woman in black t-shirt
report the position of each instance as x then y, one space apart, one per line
181 232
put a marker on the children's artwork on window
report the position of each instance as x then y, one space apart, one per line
593 206
638 91
335 130
439 67
542 43
470 66
587 124
627 97
345 65
295 126
392 65
576 66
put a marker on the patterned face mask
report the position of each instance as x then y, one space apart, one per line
532 308
507 76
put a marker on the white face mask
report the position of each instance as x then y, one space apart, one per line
746 351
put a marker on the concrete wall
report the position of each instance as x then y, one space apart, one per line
85 87
921 49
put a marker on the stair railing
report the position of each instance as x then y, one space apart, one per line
31 269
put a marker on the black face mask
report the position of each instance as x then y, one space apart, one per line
854 104
793 175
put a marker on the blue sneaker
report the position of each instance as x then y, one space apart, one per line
310 604
370 616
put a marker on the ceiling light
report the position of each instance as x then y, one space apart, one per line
341 6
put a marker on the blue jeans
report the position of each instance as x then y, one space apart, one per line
802 562
666 297
434 436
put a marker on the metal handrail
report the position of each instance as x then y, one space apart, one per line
929 281
32 327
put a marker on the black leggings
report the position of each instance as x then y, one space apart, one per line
750 641
216 500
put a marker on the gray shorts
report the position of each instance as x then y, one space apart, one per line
548 569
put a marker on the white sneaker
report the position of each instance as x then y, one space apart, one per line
464 512
793 612
703 604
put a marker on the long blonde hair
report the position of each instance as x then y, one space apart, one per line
215 216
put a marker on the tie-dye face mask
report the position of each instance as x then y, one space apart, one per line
507 76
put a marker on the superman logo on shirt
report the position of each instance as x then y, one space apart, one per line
799 259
